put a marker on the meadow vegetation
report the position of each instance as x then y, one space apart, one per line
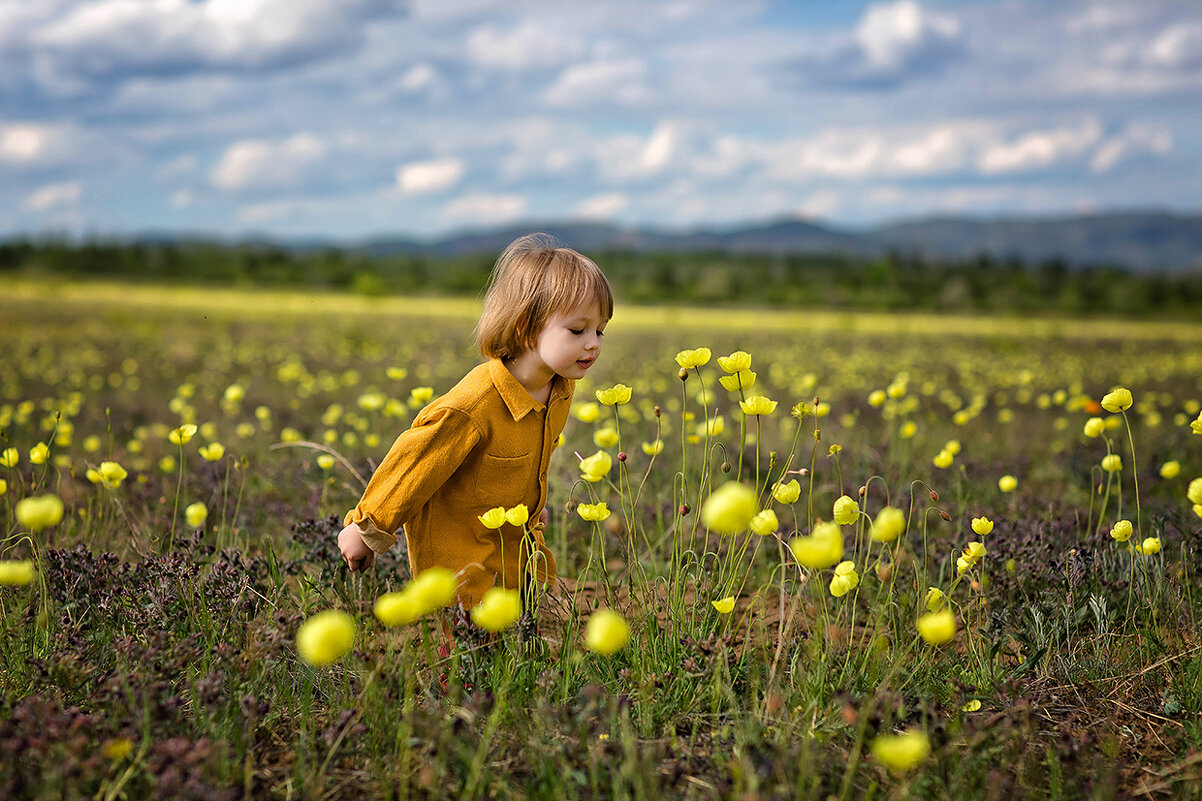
801 555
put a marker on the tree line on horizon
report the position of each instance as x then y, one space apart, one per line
894 282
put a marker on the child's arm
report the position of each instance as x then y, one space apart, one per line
355 551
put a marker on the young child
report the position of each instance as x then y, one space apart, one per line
488 441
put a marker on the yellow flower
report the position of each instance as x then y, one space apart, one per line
596 467
396 608
117 749
167 464
765 523
972 554
616 395
889 524
606 632
788 492
712 427
1007 483
325 637
876 398
39 453
982 526
182 435
518 515
935 600
493 518
729 509
3 487
110 474
693 358
901 752
196 514
971 706
653 448
1094 427
744 379
1170 469
434 588
586 412
212 452
39 512
822 409
1198 509
498 609
234 393
724 605
1112 463
821 549
909 429
421 395
1117 400
952 447
605 437
735 362
943 459
1149 546
845 579
846 510
16 573
10 457
1194 492
371 401
593 512
937 628
1196 425
325 461
1122 530
757 406
396 373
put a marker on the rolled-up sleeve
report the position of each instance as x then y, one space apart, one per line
418 463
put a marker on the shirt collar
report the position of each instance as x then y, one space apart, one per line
517 399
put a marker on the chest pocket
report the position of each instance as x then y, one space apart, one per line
503 480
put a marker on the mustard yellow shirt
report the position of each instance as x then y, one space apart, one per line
484 444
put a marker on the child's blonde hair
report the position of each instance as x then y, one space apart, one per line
533 279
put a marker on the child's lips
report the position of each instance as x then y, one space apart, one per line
585 363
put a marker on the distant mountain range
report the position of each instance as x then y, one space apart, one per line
1141 241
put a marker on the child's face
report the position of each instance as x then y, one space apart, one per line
571 341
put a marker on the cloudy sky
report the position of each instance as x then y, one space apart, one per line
349 118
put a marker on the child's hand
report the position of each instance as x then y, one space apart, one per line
354 550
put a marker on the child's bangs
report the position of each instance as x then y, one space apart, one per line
577 281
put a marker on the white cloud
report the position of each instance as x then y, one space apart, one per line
482 208
1040 149
436 175
602 206
267 164
53 196
1179 46
1134 140
618 81
182 198
23 143
183 164
528 45
893 35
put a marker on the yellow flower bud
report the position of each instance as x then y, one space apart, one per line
1007 483
1117 400
937 628
889 524
493 518
689 359
765 523
195 514
325 637
846 510
735 362
729 509
518 515
724 605
606 632
1122 530
821 549
982 526
787 492
498 609
593 512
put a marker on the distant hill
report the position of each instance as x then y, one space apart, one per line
1141 241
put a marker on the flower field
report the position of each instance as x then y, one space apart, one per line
801 555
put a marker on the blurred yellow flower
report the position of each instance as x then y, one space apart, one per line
117 749
744 379
39 453
952 447
890 522
757 406
1094 427
110 474
712 427
498 609
846 510
1122 530
605 437
901 752
1112 463
325 637
1117 400
908 429
724 605
1196 425
593 512
943 459
10 457
845 579
729 509
182 435
1149 546
821 549
518 515
1194 491
616 395
1170 469
606 632
982 526
212 452
787 492
396 373
16 573
765 522
971 706
735 362
325 461
934 600
693 358
596 467
234 393
421 395
493 518
39 512
371 401
3 487
937 628
195 514
876 398
653 448
586 412
396 608
1007 483
434 588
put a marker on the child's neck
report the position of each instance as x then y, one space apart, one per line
535 378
